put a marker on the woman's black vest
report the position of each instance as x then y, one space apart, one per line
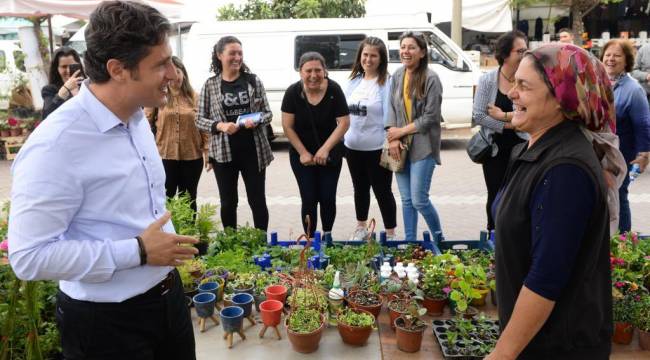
580 325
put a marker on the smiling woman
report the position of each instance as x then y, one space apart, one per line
551 214
632 117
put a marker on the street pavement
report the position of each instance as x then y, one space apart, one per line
457 191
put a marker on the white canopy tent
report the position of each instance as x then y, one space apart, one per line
80 9
479 15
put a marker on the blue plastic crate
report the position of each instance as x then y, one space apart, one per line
426 241
485 242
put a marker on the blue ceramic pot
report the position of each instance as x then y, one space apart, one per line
232 318
211 287
204 304
244 301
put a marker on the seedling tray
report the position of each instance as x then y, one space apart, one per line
440 329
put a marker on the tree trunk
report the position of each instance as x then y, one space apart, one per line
580 8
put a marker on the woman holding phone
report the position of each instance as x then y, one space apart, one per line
66 74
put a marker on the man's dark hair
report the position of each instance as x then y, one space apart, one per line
121 30
505 43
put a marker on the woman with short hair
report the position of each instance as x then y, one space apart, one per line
315 119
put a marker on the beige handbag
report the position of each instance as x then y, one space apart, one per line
391 164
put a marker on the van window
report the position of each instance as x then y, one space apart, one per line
339 51
439 51
19 60
3 61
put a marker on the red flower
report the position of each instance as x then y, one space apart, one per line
12 122
619 284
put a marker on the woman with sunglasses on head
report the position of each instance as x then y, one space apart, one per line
315 119
64 79
368 94
493 112
414 122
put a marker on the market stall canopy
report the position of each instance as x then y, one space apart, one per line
479 15
80 9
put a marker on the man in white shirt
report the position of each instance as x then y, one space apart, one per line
88 200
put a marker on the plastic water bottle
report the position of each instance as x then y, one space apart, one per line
634 172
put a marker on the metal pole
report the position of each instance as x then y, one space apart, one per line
457 22
49 29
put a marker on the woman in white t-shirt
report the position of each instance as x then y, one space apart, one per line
367 96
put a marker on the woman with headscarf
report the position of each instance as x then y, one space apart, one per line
552 214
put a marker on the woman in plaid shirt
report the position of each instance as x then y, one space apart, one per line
236 148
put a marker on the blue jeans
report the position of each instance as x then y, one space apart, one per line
624 214
414 183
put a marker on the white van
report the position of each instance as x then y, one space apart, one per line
272 49
11 64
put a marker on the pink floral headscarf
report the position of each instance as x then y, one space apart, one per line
580 84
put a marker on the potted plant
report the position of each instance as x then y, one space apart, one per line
365 300
435 285
642 320
243 283
624 294
4 128
409 329
188 281
462 292
396 308
205 226
304 329
355 326
182 214
14 127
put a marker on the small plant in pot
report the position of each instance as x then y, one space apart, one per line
396 308
355 326
188 281
463 293
435 284
243 283
304 329
206 225
365 300
409 329
624 297
642 320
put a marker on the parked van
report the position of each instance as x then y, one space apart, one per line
12 63
272 49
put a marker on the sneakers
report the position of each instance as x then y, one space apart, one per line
359 234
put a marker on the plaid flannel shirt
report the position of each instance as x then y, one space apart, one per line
211 111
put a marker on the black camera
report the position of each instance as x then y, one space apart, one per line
358 109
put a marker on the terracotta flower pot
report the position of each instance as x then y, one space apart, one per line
393 314
644 339
271 312
276 292
622 333
305 343
373 309
434 306
355 335
408 340
5 133
15 131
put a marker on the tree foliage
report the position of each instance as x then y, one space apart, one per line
293 9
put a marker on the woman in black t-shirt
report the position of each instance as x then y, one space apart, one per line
315 118
236 147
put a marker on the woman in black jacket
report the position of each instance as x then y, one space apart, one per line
64 79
